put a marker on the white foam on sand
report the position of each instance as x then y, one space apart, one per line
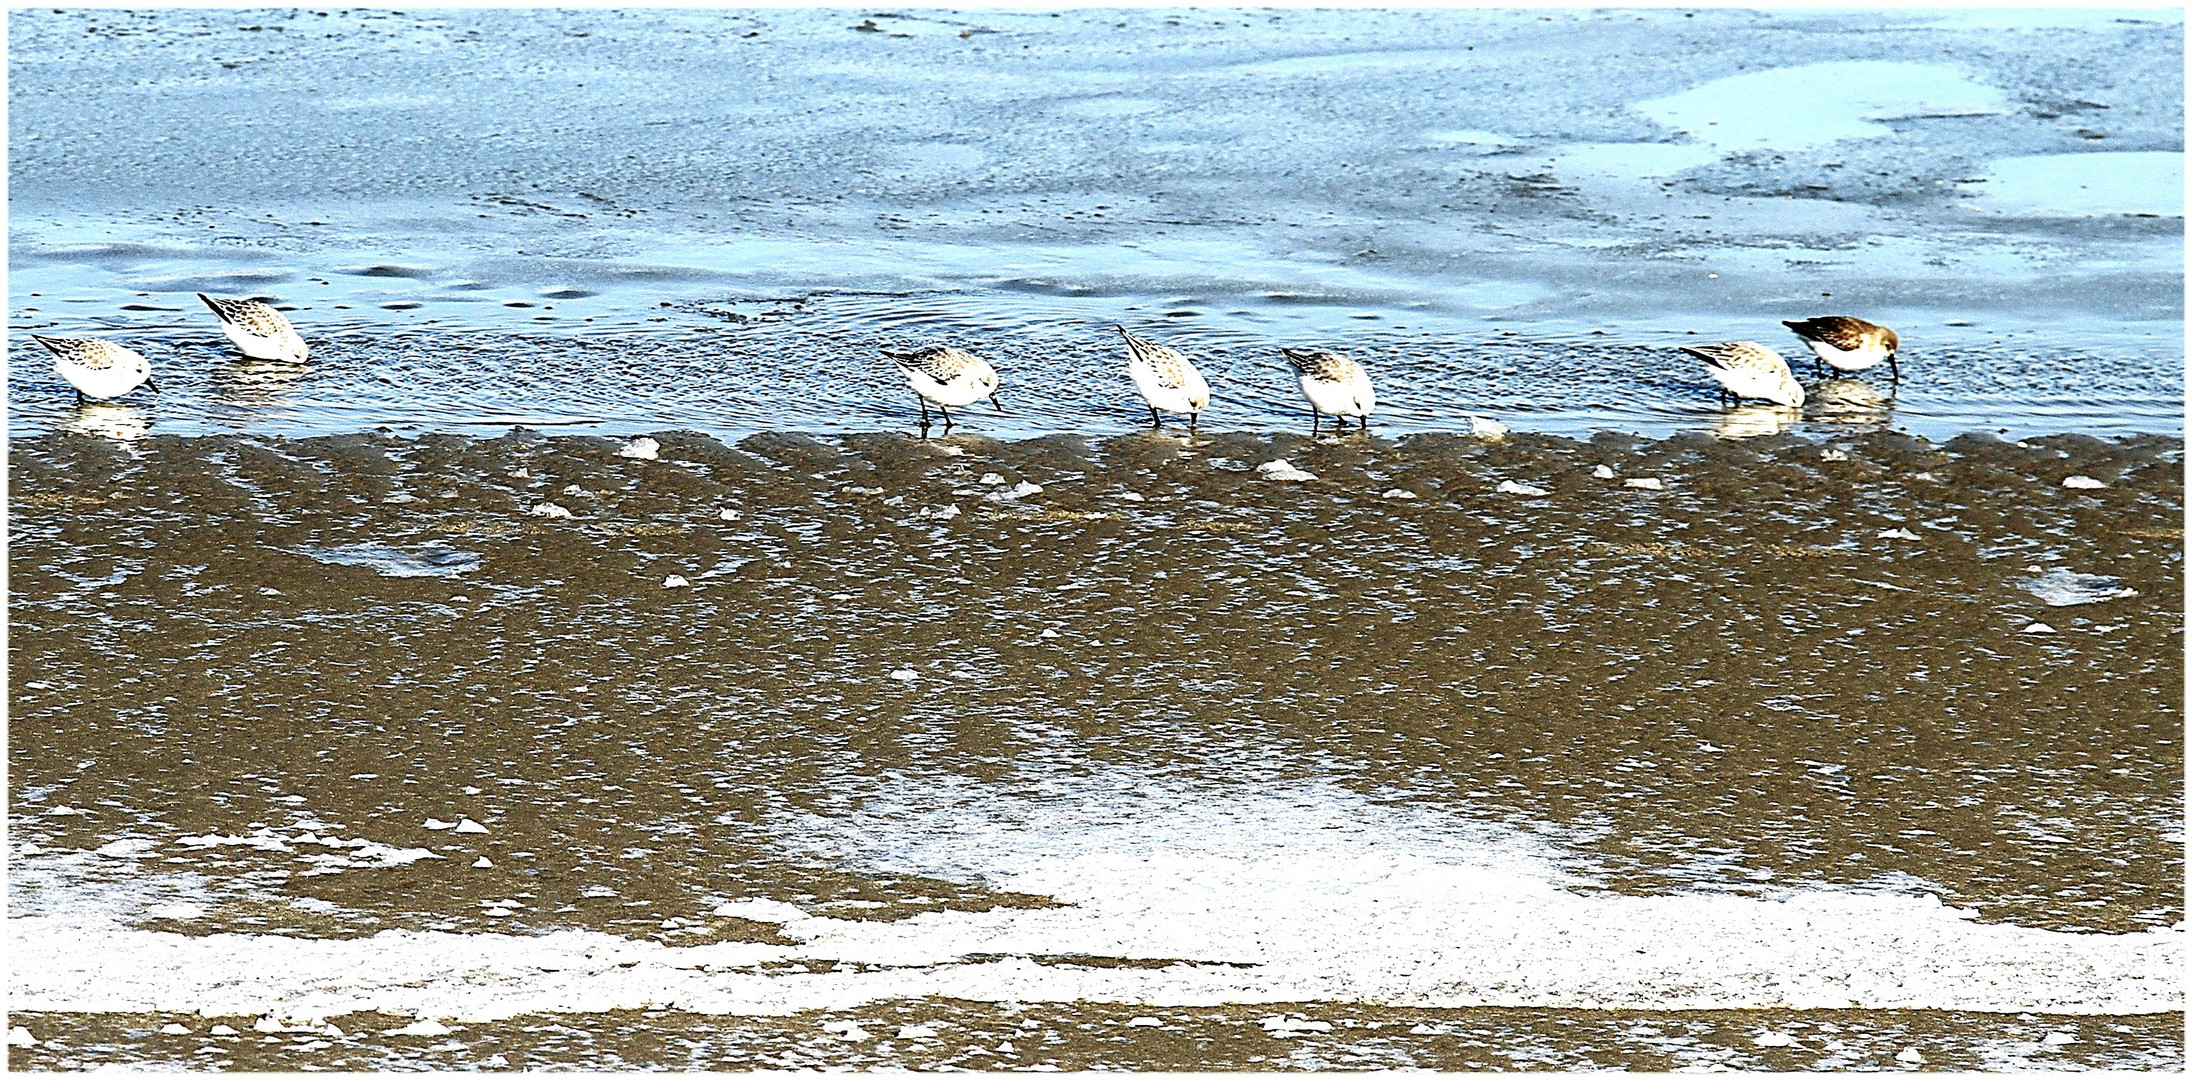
2066 588
1281 893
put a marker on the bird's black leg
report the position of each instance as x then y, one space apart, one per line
924 416
1314 419
1191 418
1155 420
79 399
947 418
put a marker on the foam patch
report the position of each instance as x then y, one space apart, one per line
1310 893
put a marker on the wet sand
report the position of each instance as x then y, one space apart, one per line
975 1036
1732 686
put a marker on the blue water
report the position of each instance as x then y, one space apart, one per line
637 220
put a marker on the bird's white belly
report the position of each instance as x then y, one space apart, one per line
1746 384
1351 398
951 395
100 382
1849 359
1173 399
288 346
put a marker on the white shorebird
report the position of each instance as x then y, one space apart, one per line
1746 369
948 377
98 369
1167 380
261 332
1847 343
1333 384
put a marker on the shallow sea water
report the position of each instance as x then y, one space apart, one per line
710 220
1847 741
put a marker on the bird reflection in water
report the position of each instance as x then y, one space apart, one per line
257 382
109 420
1851 401
1753 421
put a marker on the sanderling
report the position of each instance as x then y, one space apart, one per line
98 369
1848 344
1333 384
1166 379
946 376
1746 369
258 330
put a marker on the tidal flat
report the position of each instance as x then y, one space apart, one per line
576 664
1872 734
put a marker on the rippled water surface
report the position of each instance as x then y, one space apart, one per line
710 220
577 663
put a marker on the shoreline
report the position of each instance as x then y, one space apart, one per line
1062 373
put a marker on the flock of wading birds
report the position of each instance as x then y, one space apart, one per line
951 378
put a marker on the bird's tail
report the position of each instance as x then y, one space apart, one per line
214 304
1301 360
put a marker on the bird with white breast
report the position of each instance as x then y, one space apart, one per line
1167 380
259 331
946 377
97 368
1333 384
1746 369
1847 343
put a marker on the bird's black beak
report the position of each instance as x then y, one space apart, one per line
151 385
993 401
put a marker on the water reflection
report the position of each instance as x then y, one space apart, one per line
258 382
1851 401
124 423
1752 421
